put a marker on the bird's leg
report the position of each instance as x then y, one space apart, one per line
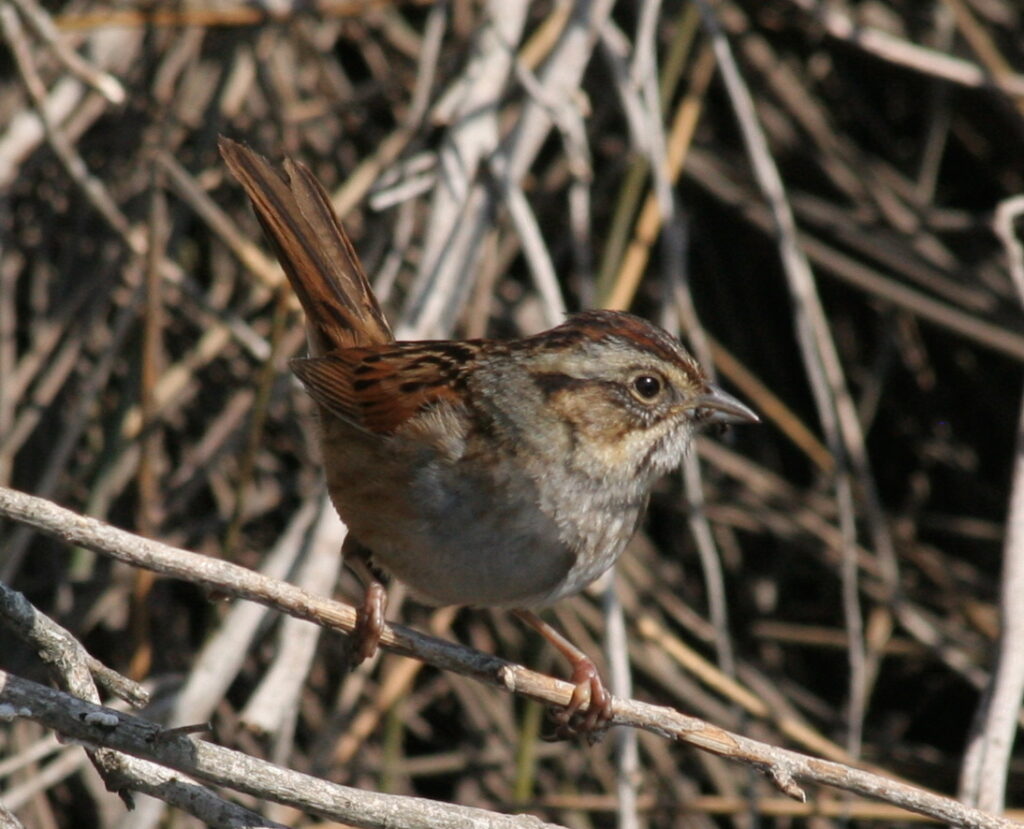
365 637
589 695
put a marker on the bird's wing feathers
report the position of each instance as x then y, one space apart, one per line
381 388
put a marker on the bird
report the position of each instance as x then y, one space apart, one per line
505 473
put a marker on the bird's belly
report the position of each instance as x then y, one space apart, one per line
463 533
459 539
490 562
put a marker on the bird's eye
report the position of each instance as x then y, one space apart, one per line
647 386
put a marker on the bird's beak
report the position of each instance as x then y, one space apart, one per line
723 408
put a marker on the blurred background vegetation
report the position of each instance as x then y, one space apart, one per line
493 163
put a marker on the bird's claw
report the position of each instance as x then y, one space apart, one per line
365 637
589 711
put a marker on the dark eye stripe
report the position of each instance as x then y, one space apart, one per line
552 382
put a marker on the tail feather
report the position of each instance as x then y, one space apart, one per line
314 250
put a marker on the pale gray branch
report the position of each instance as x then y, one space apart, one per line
782 767
96 726
987 760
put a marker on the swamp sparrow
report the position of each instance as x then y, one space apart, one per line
502 473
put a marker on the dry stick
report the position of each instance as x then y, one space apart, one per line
647 132
983 45
628 770
821 363
896 254
73 669
98 726
429 55
805 513
867 182
560 78
627 745
784 767
277 697
716 178
580 203
75 423
152 357
767 807
254 434
1006 214
248 253
52 354
68 102
266 270
8 820
394 685
771 407
58 648
835 407
684 123
175 389
94 189
864 657
679 54
635 261
939 105
262 266
45 777
731 689
353 190
8 350
217 665
470 137
43 747
903 53
648 126
532 240
42 24
986 764
239 14
568 119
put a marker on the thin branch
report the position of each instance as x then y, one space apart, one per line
42 24
97 726
821 361
58 647
125 775
783 767
93 188
904 53
987 761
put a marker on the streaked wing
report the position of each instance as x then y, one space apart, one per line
380 388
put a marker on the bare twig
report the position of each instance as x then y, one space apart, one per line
58 647
821 362
986 763
910 55
97 726
122 774
103 82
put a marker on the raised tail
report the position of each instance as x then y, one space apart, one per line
314 250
